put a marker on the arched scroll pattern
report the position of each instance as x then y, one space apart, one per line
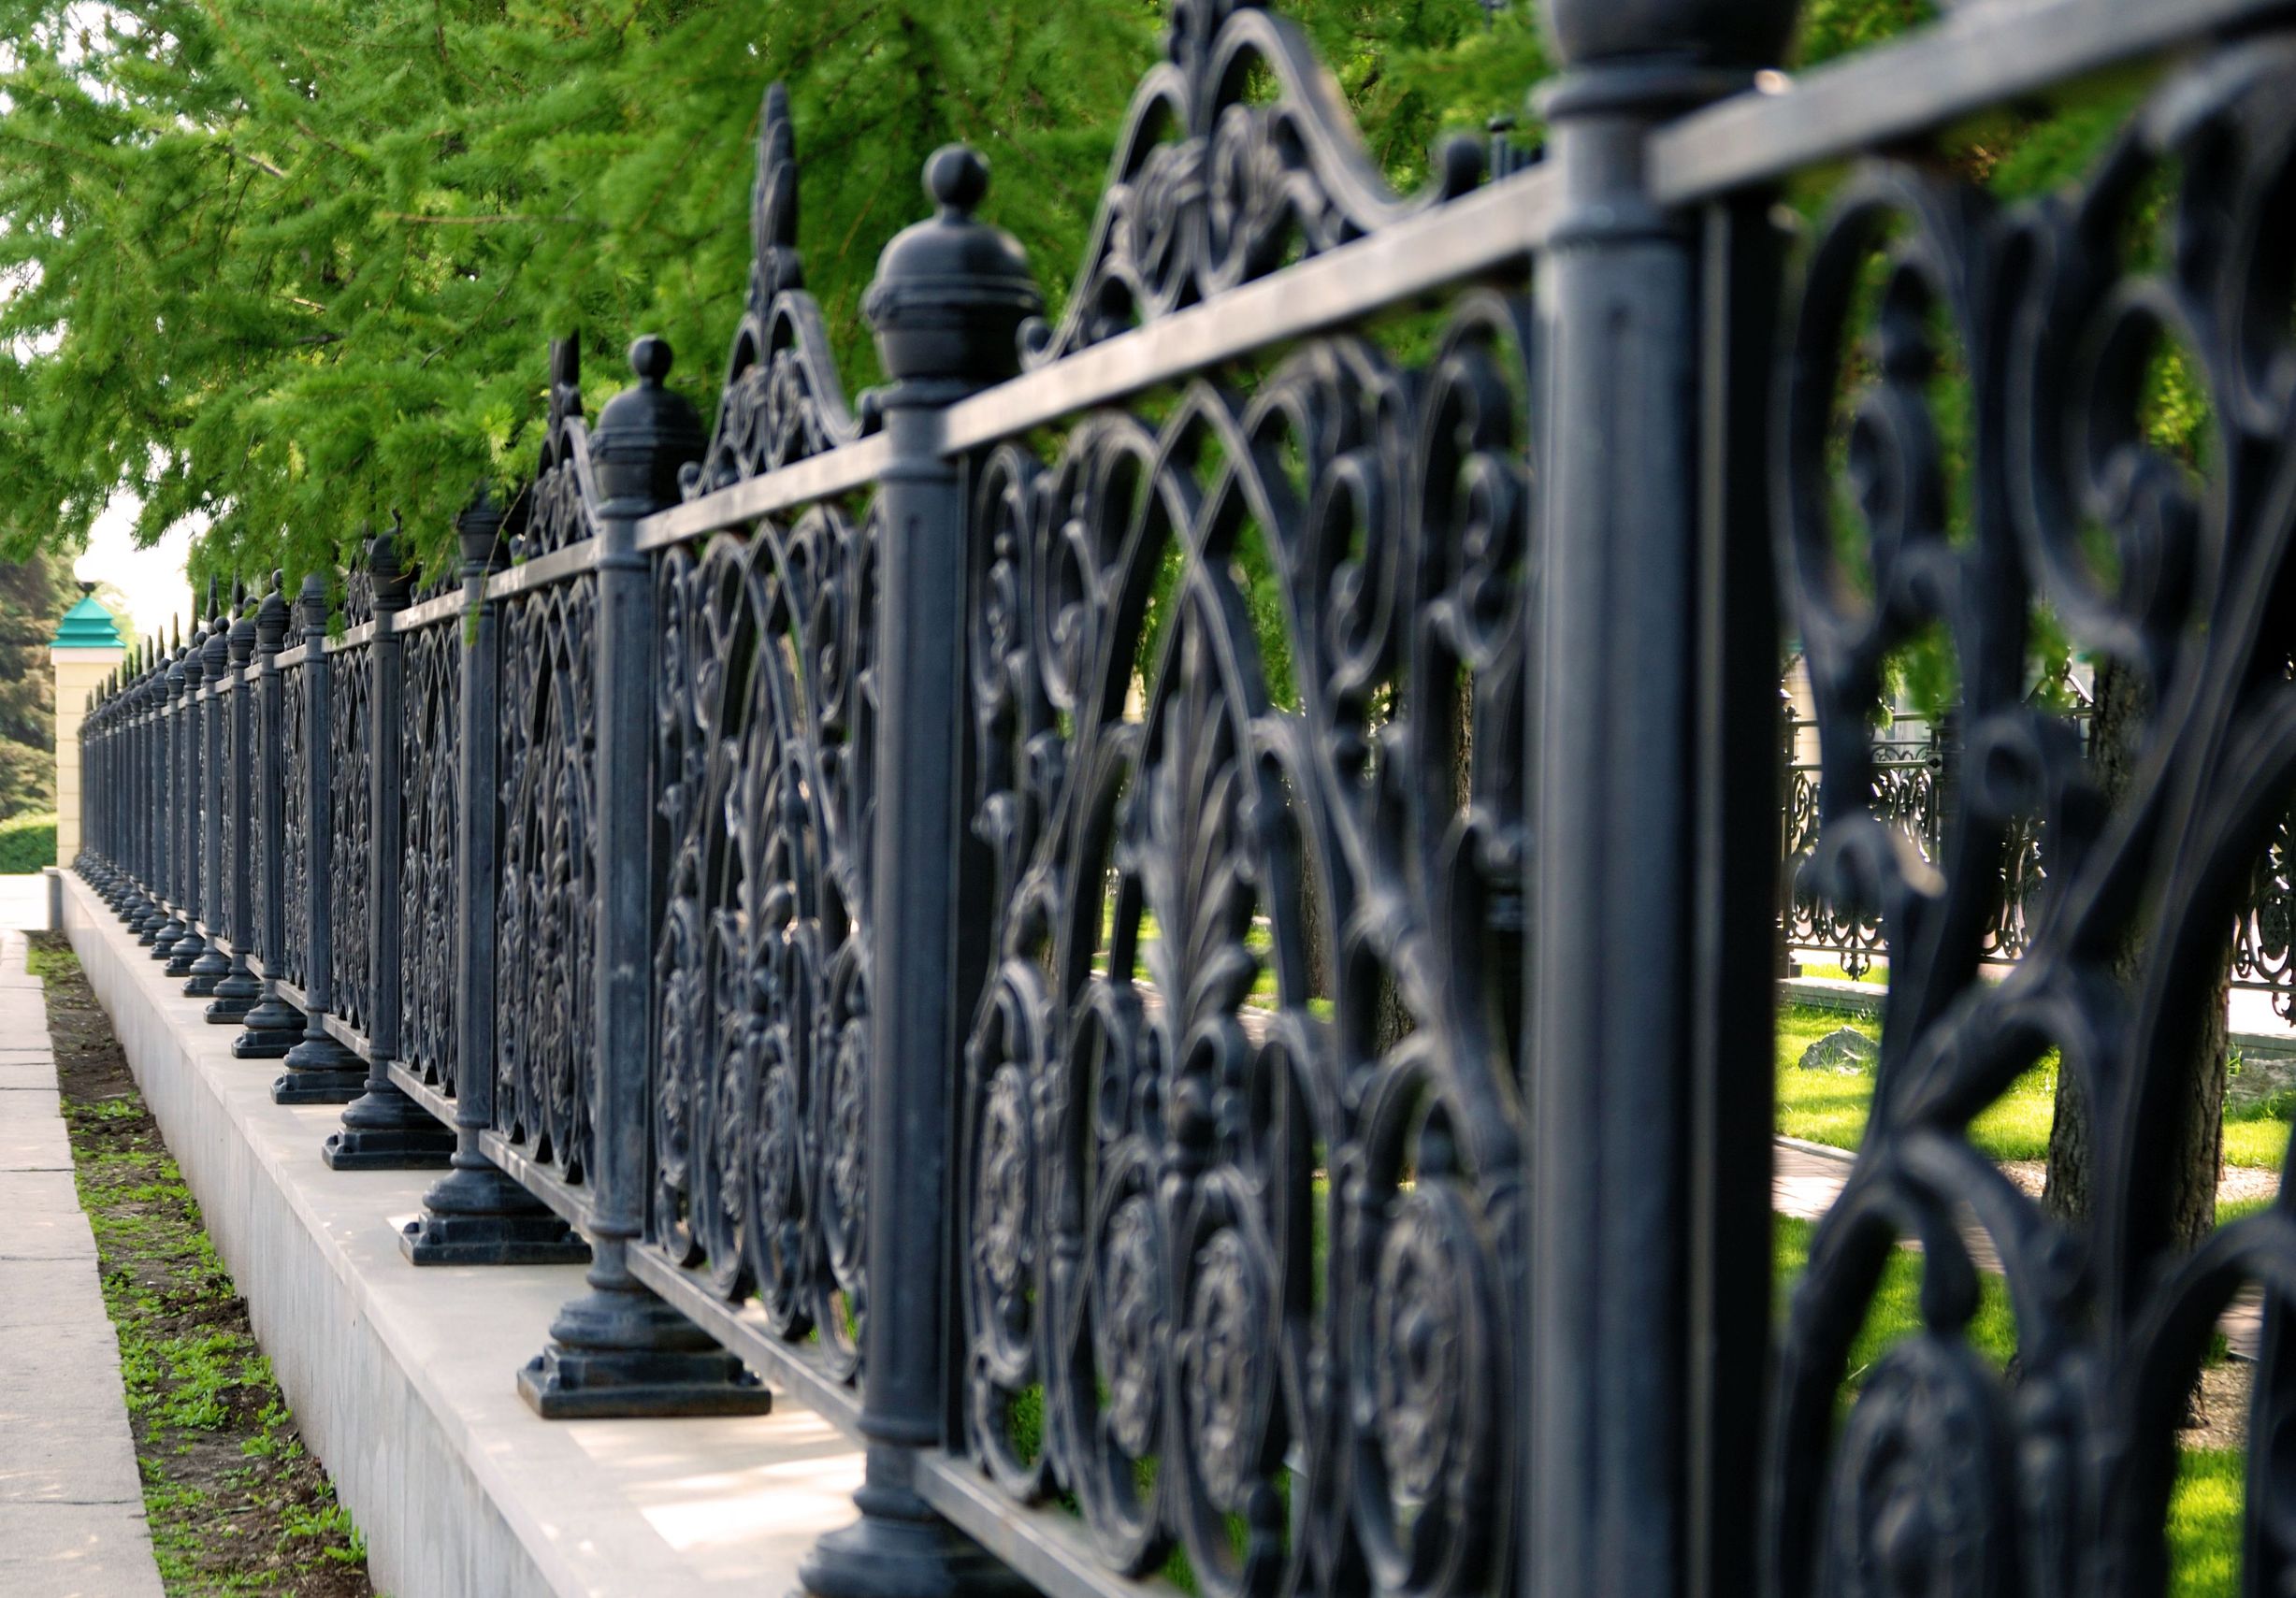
291 793
1236 157
258 788
351 680
429 858
546 900
1234 1260
765 729
783 400
1943 1477
764 738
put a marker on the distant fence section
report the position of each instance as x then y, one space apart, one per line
1088 913
1913 780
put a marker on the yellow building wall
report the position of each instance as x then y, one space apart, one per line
79 673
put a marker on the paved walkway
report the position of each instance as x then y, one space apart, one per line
1807 1178
71 1506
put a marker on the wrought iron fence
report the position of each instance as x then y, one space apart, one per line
1034 908
1913 782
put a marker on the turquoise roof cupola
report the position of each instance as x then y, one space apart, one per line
87 626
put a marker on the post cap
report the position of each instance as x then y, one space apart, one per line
312 602
478 529
386 567
1704 33
646 434
272 617
951 292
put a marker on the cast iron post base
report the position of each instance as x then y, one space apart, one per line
235 996
273 1027
620 1351
184 953
900 1548
208 975
209 968
320 1071
383 1130
476 1215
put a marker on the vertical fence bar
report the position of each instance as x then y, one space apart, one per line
474 1214
150 767
186 871
320 1071
167 784
1625 848
272 1029
946 307
238 990
619 1349
210 965
383 1129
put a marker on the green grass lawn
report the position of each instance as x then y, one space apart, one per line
1829 1107
2204 1512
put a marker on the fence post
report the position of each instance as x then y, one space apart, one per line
320 1071
272 1027
151 825
619 1349
383 1129
1653 729
237 991
175 800
189 806
946 305
474 1214
210 965
190 941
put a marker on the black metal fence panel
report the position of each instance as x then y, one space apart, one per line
1170 918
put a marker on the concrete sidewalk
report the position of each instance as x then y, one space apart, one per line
71 1504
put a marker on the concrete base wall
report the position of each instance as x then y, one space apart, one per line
404 1380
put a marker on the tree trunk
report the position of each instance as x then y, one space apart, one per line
2198 1130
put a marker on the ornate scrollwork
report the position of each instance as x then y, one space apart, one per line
782 400
1213 185
763 740
294 826
546 907
234 917
351 679
1942 1478
546 901
259 793
1257 931
430 756
556 510
2264 939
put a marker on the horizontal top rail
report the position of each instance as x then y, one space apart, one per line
543 571
1977 58
351 637
430 612
1478 231
293 658
817 477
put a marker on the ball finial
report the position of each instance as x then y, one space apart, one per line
956 178
650 358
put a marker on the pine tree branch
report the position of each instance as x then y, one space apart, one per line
498 218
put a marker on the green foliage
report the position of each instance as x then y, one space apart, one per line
1830 28
1830 1107
34 592
46 959
27 842
290 264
